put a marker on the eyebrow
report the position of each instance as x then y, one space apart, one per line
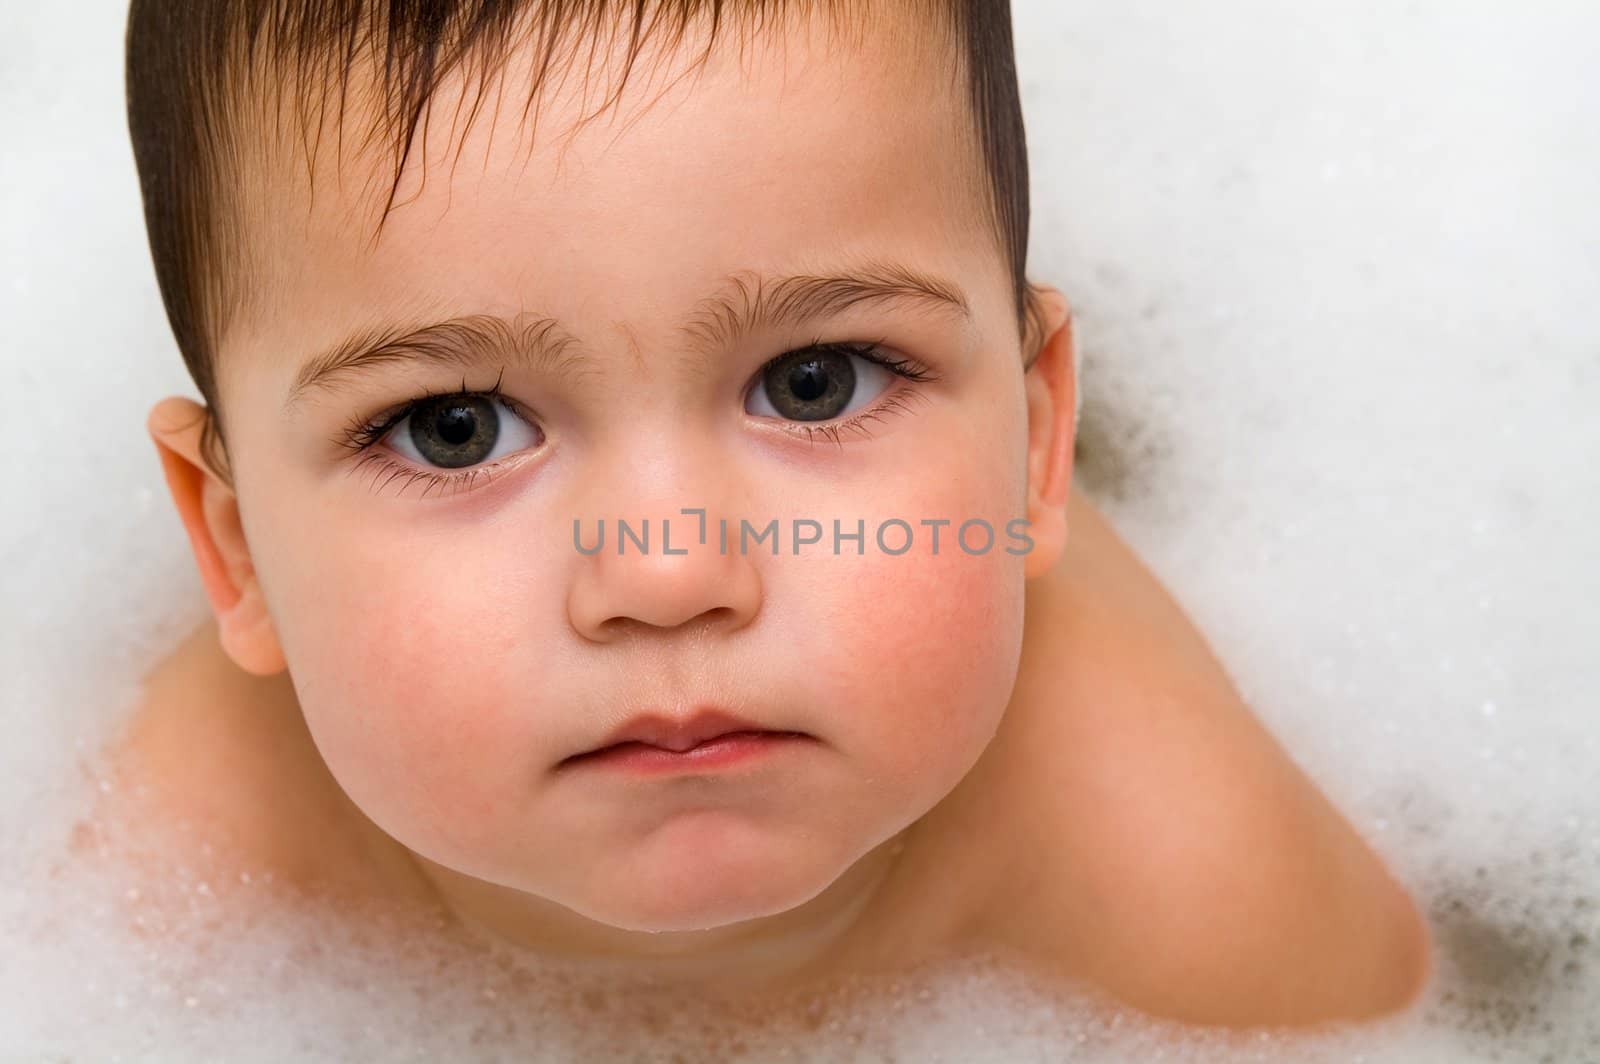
747 301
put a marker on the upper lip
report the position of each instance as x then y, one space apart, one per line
679 733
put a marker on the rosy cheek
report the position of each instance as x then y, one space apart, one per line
945 626
402 696
933 648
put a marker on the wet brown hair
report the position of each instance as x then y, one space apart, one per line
190 63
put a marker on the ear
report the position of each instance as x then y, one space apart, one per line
209 510
1052 390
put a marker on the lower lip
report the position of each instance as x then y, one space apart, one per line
725 751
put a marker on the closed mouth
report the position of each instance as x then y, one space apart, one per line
687 750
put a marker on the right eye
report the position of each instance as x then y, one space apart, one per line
455 431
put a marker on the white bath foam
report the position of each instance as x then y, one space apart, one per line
1333 269
316 990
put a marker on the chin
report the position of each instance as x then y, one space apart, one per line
702 893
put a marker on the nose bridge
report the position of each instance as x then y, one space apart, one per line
647 536
656 463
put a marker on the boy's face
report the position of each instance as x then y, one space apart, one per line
450 645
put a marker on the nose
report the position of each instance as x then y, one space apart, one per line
663 577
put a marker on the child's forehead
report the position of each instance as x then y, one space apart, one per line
800 147
802 74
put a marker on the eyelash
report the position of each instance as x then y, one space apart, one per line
361 435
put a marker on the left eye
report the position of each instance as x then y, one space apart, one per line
455 431
817 384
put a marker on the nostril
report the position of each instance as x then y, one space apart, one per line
624 626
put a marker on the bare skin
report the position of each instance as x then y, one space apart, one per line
1132 826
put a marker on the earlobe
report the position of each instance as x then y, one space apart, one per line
209 511
1052 394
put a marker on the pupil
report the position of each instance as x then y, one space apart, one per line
808 381
455 425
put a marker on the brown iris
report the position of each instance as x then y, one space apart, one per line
810 385
455 431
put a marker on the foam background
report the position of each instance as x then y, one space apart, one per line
1335 267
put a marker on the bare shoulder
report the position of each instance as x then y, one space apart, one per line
1184 862
217 764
